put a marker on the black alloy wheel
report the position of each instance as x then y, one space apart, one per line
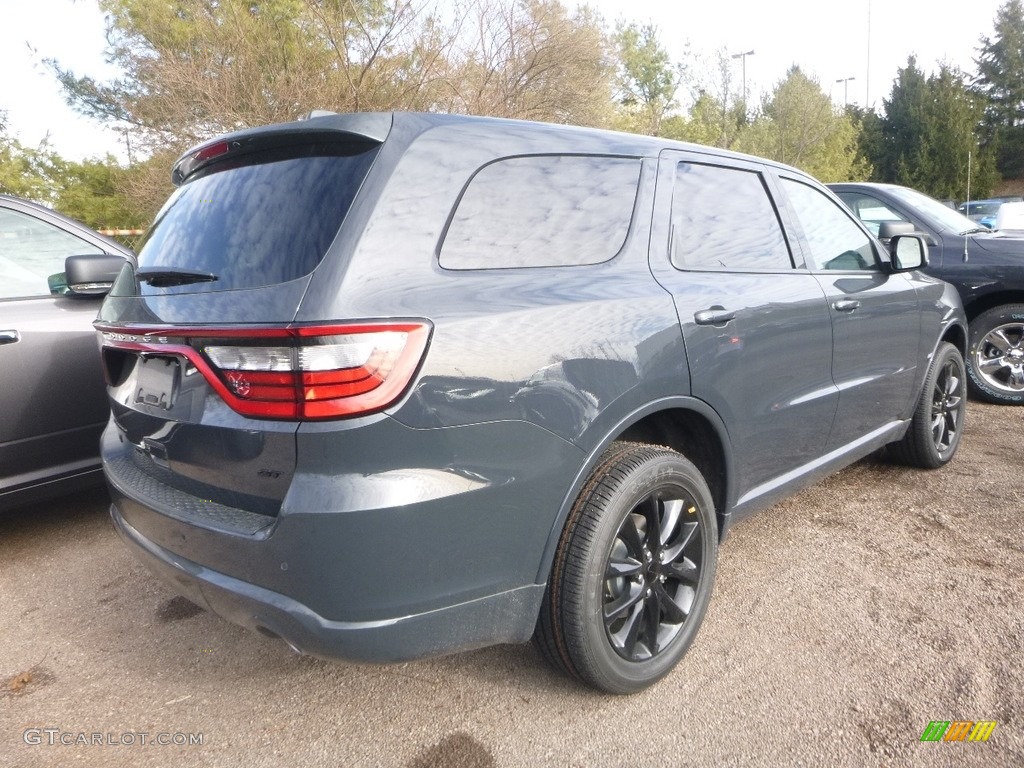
634 570
937 426
652 574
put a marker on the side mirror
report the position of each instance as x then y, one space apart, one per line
889 229
908 252
91 275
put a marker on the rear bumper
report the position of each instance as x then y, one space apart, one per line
504 617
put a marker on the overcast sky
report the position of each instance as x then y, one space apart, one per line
829 40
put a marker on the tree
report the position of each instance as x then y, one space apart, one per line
533 60
929 132
94 192
195 68
903 127
718 114
799 126
870 144
647 80
1001 80
952 146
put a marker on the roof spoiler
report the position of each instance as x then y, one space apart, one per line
371 127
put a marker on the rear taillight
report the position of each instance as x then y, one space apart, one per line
301 372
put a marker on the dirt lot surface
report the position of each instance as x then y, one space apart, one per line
843 621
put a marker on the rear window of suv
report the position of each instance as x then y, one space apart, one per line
257 220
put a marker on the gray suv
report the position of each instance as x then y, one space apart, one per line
391 385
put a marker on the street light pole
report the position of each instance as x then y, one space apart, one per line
743 60
846 88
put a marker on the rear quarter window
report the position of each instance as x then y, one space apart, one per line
542 211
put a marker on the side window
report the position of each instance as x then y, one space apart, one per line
870 210
835 241
722 218
543 211
31 251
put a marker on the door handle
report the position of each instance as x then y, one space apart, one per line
9 337
845 305
714 316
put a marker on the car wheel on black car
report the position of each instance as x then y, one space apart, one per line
634 570
995 357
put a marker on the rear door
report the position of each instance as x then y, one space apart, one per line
876 317
757 331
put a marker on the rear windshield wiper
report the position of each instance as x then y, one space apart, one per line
163 277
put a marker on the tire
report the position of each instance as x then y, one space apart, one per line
938 421
995 355
633 572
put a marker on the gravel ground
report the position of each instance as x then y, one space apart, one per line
843 621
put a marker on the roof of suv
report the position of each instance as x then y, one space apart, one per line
519 135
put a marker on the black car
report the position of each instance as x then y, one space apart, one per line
987 269
389 385
53 273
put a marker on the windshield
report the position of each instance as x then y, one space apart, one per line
928 207
263 219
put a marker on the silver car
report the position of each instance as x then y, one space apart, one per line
54 402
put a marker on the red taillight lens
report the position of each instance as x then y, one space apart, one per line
306 372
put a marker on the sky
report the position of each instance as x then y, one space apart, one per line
828 40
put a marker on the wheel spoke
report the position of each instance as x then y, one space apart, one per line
651 507
620 568
652 623
630 535
939 431
1000 341
669 524
993 363
689 530
626 637
684 570
614 610
671 611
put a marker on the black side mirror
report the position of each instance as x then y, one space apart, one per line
889 229
93 274
908 252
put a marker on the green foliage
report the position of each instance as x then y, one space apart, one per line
799 126
195 68
928 133
711 122
870 143
1000 80
647 79
92 191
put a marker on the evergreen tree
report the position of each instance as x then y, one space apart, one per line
1001 80
928 133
